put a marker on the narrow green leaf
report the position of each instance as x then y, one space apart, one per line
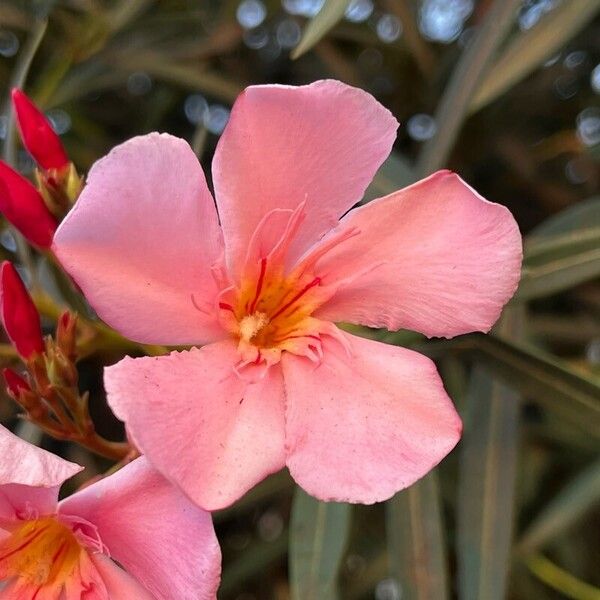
531 48
318 537
487 487
471 68
562 252
580 216
569 394
416 541
329 15
565 583
568 506
557 263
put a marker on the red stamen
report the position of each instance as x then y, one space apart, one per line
226 306
312 284
259 284
294 337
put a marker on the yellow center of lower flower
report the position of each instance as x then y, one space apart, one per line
43 552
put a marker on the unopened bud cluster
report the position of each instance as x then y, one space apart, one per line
49 392
34 211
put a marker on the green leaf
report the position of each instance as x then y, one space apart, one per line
562 252
571 395
581 216
565 583
487 487
557 263
329 15
318 539
531 48
416 541
466 77
568 506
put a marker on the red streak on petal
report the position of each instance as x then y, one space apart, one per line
26 542
59 552
257 361
36 593
226 306
259 284
312 284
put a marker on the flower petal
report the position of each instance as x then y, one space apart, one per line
435 257
225 434
366 424
320 143
29 476
141 240
118 583
153 531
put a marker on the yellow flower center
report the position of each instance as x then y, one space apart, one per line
272 308
43 552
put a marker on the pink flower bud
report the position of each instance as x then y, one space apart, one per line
19 314
14 382
37 134
24 207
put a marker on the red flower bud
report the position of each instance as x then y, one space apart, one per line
37 134
19 314
14 382
24 207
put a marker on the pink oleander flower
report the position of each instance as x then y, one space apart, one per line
261 285
166 547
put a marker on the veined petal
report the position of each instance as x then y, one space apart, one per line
161 539
435 257
367 422
225 433
320 144
141 240
29 476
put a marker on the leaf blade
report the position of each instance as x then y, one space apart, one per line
329 15
318 537
532 48
416 540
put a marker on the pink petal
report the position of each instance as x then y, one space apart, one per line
320 143
435 257
87 582
159 537
225 434
362 426
118 583
29 476
141 240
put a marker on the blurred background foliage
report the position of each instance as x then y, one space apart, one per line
505 92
